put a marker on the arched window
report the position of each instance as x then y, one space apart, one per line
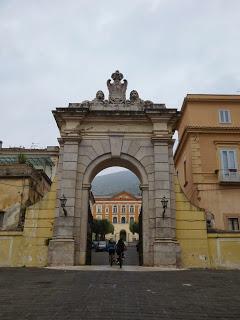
114 210
131 209
106 210
123 220
131 219
123 209
114 219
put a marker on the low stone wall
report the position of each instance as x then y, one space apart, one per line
224 250
11 248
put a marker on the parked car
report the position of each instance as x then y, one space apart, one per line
94 244
101 246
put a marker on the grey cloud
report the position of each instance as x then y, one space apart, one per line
56 52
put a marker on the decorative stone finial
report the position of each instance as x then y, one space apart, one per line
134 98
99 96
117 89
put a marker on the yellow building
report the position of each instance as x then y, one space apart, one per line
207 158
120 209
25 177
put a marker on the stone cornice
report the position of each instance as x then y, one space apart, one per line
69 138
203 130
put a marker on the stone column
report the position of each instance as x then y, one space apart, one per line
61 247
165 245
147 254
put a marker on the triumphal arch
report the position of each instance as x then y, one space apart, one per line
132 133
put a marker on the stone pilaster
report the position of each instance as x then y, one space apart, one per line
165 245
61 247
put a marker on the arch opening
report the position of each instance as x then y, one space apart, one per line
117 200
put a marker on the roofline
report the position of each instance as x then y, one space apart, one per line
198 97
109 197
203 130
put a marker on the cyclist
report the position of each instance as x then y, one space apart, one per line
111 251
120 248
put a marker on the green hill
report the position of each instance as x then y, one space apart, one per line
116 182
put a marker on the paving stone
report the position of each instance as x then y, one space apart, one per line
30 293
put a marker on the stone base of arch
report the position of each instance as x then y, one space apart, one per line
61 252
166 253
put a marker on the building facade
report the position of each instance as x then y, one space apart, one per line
120 209
207 158
25 177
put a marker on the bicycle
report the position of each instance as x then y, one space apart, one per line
112 259
120 259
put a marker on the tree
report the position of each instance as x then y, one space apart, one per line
134 227
101 228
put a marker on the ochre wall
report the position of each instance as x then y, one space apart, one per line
11 247
204 112
13 191
191 232
200 249
30 247
224 250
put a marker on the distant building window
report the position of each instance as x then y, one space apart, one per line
99 208
131 209
123 209
123 220
1 218
228 162
114 219
233 224
115 210
224 116
106 210
131 220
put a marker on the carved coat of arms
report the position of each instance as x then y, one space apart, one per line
117 88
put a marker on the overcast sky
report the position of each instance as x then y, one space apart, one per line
56 52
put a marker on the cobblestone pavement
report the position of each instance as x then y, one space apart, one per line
41 294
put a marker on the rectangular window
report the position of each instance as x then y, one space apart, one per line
1 218
228 163
224 116
114 209
233 224
99 208
106 210
131 209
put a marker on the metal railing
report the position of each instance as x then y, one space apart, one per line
229 175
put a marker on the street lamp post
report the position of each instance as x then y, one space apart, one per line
164 205
63 201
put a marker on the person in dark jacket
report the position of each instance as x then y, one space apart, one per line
120 248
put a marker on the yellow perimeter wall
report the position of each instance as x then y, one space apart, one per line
30 247
198 248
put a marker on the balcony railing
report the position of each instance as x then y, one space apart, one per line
229 176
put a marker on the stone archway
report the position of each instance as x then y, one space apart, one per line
91 171
132 133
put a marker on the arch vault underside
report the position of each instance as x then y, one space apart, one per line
97 134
